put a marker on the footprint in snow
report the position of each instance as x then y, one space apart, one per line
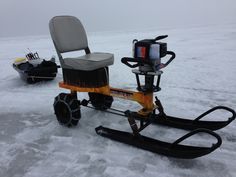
136 164
83 159
96 168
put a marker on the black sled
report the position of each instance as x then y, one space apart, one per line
33 69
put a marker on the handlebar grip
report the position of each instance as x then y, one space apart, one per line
170 59
138 61
126 61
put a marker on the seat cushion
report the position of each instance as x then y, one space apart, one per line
89 62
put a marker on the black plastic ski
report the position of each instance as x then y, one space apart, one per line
189 124
174 149
196 123
177 122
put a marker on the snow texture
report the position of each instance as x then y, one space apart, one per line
33 144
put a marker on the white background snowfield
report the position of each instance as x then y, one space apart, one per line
33 144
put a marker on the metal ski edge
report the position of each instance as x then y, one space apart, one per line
164 148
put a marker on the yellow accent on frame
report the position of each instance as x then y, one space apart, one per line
144 99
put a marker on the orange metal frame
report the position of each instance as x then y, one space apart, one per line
144 99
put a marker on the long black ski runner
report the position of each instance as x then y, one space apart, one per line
182 123
191 124
174 149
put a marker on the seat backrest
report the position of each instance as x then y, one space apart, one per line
68 34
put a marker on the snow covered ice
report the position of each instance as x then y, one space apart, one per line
33 144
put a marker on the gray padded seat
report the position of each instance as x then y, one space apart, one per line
68 35
90 61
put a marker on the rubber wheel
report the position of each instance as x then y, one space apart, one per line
67 109
100 101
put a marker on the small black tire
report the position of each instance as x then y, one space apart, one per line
100 101
67 109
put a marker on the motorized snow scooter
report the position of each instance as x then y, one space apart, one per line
89 73
34 69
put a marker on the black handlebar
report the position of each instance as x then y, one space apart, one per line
139 61
170 59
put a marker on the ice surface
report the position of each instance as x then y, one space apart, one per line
33 144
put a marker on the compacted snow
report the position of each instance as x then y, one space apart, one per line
33 144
